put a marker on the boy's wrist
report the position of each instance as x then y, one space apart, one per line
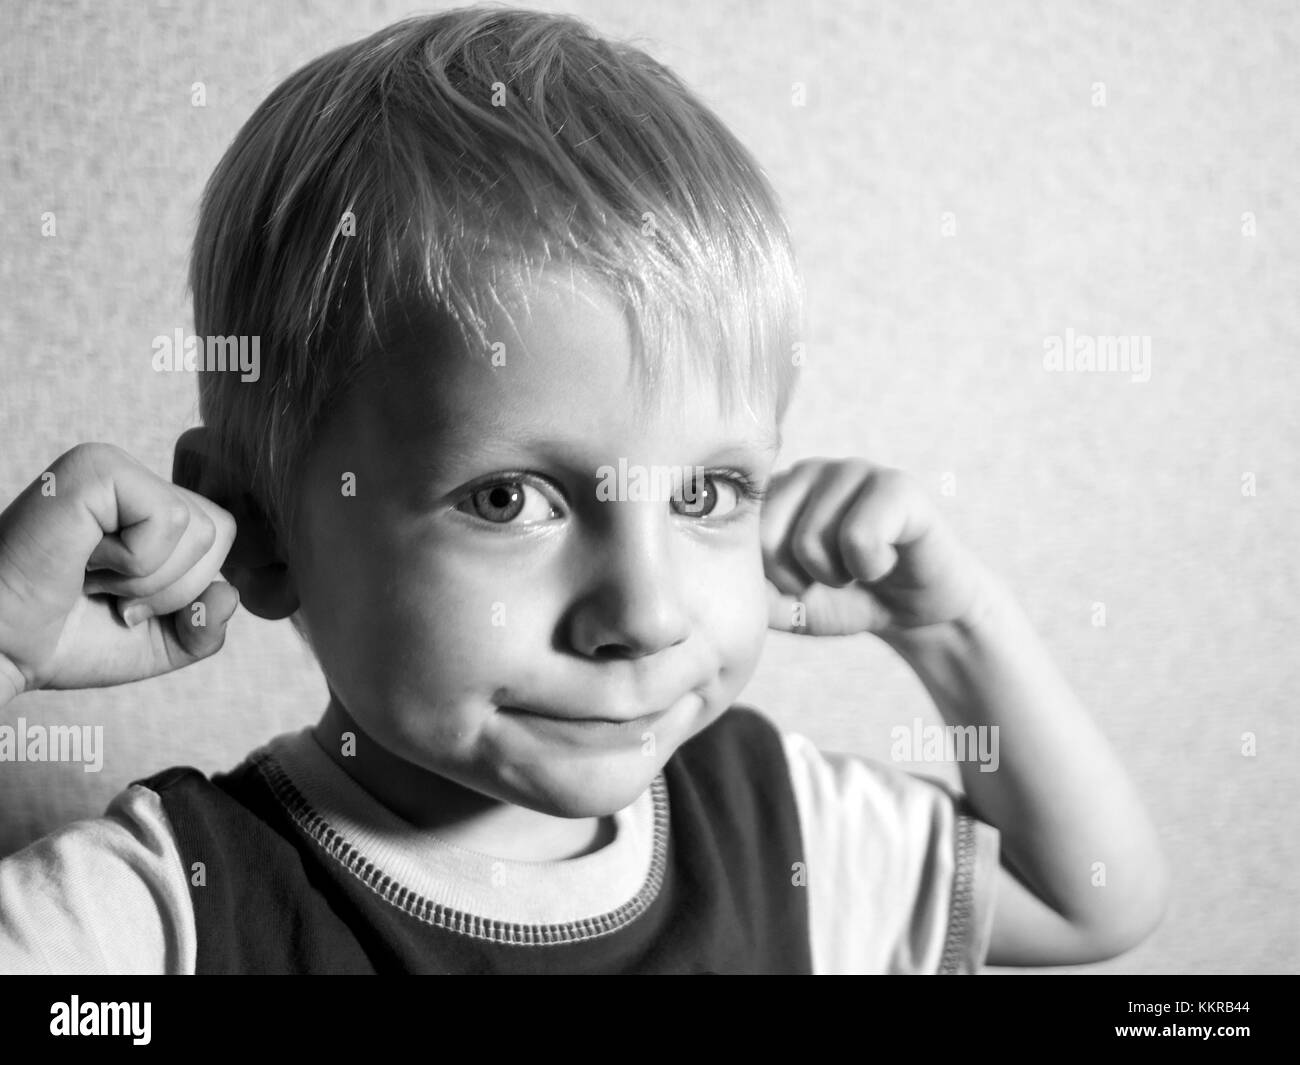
950 657
993 616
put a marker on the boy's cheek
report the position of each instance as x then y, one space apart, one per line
454 634
737 619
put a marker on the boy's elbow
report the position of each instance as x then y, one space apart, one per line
1106 918
1120 938
1132 923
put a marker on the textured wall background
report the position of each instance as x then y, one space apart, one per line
959 191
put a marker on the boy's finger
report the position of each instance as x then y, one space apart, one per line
196 540
784 612
141 516
142 547
192 634
181 592
814 539
202 549
786 494
97 503
883 515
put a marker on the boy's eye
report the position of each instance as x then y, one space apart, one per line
701 497
505 502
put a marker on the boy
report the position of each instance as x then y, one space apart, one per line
525 312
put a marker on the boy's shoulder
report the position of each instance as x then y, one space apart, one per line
739 745
106 895
899 871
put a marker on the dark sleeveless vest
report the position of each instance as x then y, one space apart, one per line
284 893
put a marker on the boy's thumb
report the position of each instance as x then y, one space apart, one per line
201 626
785 613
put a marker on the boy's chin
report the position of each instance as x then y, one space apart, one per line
591 791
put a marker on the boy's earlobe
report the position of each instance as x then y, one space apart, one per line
255 565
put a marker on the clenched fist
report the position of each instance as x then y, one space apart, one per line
102 567
852 547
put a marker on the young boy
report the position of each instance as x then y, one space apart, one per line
524 312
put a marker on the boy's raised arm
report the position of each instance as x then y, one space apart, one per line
1083 878
853 547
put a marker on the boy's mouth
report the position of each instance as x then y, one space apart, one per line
629 721
580 721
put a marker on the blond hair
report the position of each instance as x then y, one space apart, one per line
447 157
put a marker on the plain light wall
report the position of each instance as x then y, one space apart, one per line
963 181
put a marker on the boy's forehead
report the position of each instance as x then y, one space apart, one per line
469 410
559 370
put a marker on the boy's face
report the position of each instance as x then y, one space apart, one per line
480 611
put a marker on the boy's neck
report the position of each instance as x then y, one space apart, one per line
453 813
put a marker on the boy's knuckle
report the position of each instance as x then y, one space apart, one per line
175 516
205 531
859 543
894 483
79 459
224 527
809 550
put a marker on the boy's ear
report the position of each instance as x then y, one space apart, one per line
255 565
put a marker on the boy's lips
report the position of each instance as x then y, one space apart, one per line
629 719
573 719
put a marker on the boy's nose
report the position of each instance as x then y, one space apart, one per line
633 604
